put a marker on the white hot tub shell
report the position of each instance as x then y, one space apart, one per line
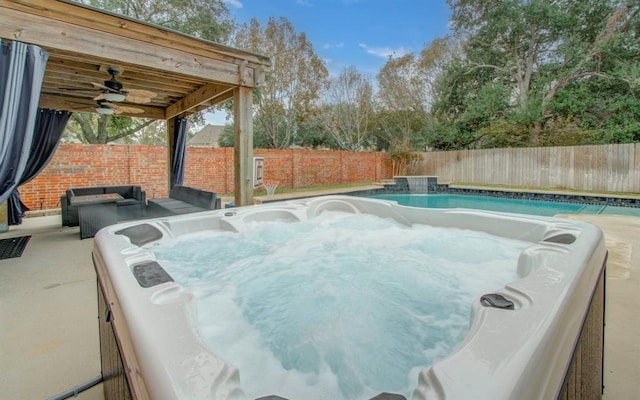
548 346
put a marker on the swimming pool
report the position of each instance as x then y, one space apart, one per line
520 206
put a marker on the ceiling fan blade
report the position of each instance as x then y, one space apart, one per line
120 109
99 97
137 99
141 93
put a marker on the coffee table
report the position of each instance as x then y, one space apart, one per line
95 212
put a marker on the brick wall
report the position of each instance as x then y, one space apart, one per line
77 165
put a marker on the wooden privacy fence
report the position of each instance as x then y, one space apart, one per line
605 168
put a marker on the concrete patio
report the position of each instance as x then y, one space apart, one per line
48 313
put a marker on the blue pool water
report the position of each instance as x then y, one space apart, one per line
534 207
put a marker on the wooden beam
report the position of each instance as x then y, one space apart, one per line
66 36
91 66
243 147
193 100
205 106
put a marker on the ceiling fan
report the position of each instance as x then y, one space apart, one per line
108 108
112 91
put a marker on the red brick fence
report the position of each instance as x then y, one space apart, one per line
76 165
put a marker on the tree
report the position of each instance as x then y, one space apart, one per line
312 132
348 110
206 19
227 138
528 52
295 82
403 101
93 128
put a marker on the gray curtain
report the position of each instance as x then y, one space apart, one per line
46 135
21 72
180 147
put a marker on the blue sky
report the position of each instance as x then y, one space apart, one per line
354 32
363 33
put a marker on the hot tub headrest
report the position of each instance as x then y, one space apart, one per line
141 234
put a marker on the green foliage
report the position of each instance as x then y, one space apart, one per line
504 133
205 19
227 138
311 133
539 72
95 128
404 160
602 108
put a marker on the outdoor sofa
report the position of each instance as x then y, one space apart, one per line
183 200
132 205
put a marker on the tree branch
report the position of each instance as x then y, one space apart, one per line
132 130
85 126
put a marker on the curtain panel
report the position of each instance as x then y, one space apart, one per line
21 73
179 145
48 129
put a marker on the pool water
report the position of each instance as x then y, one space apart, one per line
533 207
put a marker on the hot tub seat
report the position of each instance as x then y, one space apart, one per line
184 200
132 205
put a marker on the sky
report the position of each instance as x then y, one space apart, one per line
360 33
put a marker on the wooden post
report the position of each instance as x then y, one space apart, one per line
243 148
171 149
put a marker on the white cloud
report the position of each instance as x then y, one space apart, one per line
234 3
385 52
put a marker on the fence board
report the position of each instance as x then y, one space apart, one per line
606 168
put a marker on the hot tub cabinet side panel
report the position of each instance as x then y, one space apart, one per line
115 383
584 379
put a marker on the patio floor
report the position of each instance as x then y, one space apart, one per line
49 330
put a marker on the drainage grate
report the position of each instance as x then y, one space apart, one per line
13 247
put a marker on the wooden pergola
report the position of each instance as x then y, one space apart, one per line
187 74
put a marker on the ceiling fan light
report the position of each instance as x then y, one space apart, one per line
115 97
104 110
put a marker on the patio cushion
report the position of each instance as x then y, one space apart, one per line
184 200
124 191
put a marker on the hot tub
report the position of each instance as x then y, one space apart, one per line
539 336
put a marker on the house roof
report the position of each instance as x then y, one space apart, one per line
186 73
207 136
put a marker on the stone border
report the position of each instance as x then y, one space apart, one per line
430 185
